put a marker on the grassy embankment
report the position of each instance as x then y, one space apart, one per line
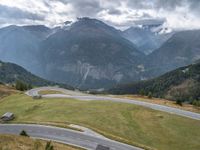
13 142
160 101
124 122
6 91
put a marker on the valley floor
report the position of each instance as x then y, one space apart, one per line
127 123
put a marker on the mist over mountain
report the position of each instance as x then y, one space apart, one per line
182 49
21 45
148 37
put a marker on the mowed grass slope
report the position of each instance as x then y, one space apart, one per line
13 142
44 92
125 122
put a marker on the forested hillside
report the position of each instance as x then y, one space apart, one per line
182 84
11 73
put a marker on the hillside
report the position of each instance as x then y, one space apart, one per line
6 90
182 49
10 73
181 84
9 142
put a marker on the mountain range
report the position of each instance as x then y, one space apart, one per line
89 54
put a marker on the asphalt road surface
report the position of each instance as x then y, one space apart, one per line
65 136
82 96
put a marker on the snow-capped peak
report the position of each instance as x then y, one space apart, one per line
64 25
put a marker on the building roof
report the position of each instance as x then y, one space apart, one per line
8 115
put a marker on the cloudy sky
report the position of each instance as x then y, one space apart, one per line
177 14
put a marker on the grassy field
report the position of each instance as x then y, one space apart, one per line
49 92
124 122
160 101
13 142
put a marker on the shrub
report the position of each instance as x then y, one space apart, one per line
23 133
37 97
37 145
49 146
196 103
179 102
30 86
22 86
142 92
150 95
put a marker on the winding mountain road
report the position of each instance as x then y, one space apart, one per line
88 140
81 96
65 136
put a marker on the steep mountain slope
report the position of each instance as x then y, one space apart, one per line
181 84
147 38
183 48
90 54
10 73
20 44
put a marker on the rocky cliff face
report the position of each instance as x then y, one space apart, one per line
85 75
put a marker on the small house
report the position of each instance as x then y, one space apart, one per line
7 116
101 147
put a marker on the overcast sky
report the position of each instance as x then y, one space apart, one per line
178 14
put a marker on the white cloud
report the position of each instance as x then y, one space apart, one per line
120 13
